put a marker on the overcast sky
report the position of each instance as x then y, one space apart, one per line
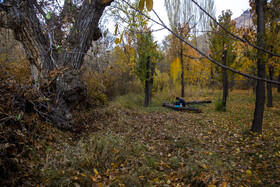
236 6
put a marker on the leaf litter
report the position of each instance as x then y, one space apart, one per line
132 147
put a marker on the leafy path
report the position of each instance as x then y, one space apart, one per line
128 146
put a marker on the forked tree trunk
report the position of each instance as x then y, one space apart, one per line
260 89
42 53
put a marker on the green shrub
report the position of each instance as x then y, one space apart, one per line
219 106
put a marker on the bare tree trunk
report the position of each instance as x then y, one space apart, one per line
151 81
260 90
225 80
147 83
248 83
269 85
269 88
182 75
254 84
278 87
212 83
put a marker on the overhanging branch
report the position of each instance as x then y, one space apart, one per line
199 51
235 36
215 62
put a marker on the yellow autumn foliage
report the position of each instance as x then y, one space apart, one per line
176 69
141 5
149 5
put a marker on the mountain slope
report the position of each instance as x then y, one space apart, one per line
244 20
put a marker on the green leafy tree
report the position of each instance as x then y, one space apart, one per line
222 48
147 57
272 43
138 42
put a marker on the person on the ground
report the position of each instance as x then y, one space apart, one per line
180 102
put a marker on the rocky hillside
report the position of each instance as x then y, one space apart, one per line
244 20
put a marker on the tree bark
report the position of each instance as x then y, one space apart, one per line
260 89
147 83
182 74
254 84
151 81
269 85
269 88
212 83
43 53
225 80
278 87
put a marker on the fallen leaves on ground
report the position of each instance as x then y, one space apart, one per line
133 147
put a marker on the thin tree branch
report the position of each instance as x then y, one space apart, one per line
217 63
235 36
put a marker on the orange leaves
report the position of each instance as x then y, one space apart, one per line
117 41
224 184
105 1
149 5
93 179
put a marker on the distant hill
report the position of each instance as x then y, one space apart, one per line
244 20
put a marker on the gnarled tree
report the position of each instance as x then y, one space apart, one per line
56 35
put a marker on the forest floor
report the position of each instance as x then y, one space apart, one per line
124 144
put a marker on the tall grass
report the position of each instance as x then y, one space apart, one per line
168 94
